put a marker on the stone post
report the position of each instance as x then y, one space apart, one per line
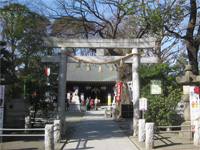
114 111
105 112
49 139
149 142
185 97
57 130
62 88
114 114
136 91
197 133
27 122
141 133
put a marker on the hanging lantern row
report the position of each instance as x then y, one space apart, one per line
88 68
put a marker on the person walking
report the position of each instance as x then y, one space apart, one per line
91 102
95 103
68 103
88 104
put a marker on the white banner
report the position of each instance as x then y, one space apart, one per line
109 99
2 92
194 103
130 89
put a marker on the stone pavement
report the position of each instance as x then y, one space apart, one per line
164 141
96 132
167 141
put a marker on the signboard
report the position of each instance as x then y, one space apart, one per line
2 92
194 103
118 97
156 87
130 85
143 104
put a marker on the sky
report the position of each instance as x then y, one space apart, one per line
35 4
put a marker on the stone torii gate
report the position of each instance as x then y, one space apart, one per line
63 59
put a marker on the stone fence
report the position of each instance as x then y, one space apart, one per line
52 134
146 133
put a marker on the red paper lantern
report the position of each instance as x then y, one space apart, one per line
35 93
196 89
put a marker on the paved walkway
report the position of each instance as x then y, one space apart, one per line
96 133
93 131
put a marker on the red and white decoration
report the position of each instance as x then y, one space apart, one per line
47 71
194 103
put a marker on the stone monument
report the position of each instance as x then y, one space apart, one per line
75 103
187 80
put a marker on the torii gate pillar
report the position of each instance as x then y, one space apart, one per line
62 88
136 91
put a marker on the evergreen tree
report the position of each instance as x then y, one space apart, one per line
161 108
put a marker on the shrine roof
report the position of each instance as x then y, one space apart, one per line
82 75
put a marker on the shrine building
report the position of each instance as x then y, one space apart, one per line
90 82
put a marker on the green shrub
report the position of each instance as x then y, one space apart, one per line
160 107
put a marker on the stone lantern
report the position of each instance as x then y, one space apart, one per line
187 80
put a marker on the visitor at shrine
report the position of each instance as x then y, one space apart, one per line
71 98
95 103
91 102
67 103
99 102
88 104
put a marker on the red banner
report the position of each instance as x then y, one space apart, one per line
118 98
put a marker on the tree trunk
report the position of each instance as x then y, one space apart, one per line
192 50
192 44
158 50
124 75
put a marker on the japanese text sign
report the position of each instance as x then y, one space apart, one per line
143 104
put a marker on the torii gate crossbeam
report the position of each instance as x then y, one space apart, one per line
99 43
